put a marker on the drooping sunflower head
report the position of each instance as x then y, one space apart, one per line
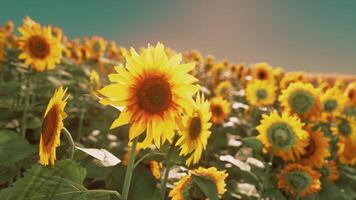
224 89
332 171
350 92
220 110
194 131
260 93
317 150
218 177
40 49
51 127
289 78
153 89
296 179
181 189
283 135
263 72
301 99
333 102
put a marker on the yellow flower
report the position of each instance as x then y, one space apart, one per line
224 89
346 151
350 92
95 47
217 72
296 179
51 127
194 131
333 102
94 80
291 77
332 171
345 128
220 110
263 72
301 99
260 93
154 90
155 169
317 150
283 135
39 47
186 189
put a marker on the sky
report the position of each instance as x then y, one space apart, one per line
313 36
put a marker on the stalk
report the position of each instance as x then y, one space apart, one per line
129 170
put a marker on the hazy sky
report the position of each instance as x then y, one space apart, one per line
314 36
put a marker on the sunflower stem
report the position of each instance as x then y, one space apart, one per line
80 125
71 142
168 167
26 106
129 170
268 169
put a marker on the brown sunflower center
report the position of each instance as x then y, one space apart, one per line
310 149
50 125
217 110
262 75
154 95
38 46
195 128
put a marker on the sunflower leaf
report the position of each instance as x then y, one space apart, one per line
208 187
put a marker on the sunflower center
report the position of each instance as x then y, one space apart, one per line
310 149
50 125
299 181
38 46
330 105
96 47
217 110
344 128
261 94
301 102
281 136
195 128
262 75
154 95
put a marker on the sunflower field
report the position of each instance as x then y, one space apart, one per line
85 119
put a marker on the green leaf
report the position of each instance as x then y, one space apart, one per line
13 148
208 187
253 143
63 181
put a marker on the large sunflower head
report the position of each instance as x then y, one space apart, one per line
283 135
332 171
260 93
317 150
187 189
220 110
333 102
224 89
350 92
51 127
298 180
263 72
39 47
301 99
194 131
153 89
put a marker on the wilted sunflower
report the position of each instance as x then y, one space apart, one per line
283 135
260 93
186 188
317 150
224 89
194 131
263 72
296 179
220 110
51 127
39 47
333 173
333 102
301 99
154 90
350 92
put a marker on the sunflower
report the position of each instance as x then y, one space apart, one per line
194 131
263 72
155 169
278 73
291 77
301 99
317 150
350 92
51 126
333 102
95 47
187 189
283 135
333 173
299 180
260 93
217 72
220 110
224 89
345 128
154 90
39 47
346 151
